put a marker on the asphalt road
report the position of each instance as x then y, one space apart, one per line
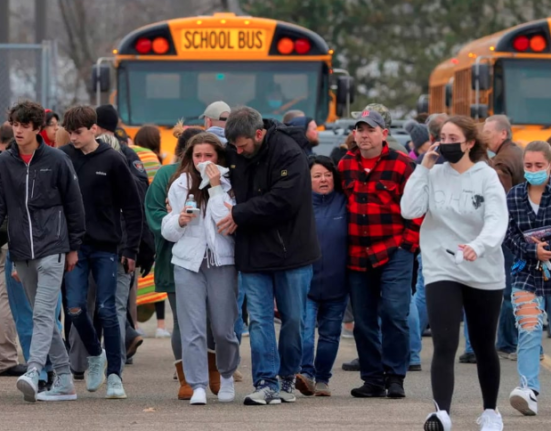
152 402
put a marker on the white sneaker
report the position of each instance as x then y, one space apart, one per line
199 397
438 421
162 333
227 390
28 384
115 389
524 400
490 421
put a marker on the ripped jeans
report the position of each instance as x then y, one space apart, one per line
528 309
103 266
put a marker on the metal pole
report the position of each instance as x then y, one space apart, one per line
5 97
44 75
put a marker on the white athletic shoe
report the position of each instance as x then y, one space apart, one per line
524 400
438 421
490 421
199 397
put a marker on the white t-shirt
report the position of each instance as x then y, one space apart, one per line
535 207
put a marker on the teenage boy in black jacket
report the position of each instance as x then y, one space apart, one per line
107 188
275 244
40 194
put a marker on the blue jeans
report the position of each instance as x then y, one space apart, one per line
548 311
239 324
23 315
104 270
415 334
468 347
420 300
328 316
507 334
289 288
387 287
530 331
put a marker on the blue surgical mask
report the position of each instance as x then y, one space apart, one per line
536 178
274 104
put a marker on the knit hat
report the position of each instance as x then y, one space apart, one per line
108 118
301 122
419 133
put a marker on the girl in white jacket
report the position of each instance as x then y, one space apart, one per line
466 217
204 271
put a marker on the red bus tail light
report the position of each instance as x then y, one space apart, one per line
302 46
143 45
521 43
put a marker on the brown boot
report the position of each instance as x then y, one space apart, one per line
214 375
185 392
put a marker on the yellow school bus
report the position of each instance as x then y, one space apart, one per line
505 73
174 69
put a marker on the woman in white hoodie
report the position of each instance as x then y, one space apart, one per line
204 272
466 218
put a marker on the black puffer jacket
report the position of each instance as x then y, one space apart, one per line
43 203
276 227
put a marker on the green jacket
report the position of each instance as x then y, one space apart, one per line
395 145
155 210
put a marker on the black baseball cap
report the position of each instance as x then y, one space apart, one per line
371 118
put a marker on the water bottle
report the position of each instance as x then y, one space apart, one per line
190 203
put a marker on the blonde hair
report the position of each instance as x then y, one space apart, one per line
62 137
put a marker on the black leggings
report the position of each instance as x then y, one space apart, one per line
445 303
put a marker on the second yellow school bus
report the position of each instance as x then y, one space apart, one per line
513 77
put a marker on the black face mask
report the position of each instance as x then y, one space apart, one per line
451 152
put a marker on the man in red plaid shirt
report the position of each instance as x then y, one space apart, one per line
380 256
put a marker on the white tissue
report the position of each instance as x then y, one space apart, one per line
202 168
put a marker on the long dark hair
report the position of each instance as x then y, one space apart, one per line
470 129
328 164
186 166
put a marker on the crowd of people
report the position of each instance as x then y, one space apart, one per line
249 217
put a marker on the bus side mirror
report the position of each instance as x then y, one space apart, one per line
345 89
101 76
449 95
423 104
479 111
480 72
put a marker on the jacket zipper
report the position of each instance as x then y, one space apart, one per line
281 241
34 180
59 224
27 207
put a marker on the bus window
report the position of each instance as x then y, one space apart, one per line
499 93
163 92
527 91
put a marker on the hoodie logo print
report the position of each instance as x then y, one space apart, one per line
477 201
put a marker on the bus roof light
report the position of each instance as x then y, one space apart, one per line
143 45
302 46
285 46
521 43
538 43
160 45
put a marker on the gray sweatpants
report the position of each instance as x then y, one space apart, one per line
212 291
79 354
41 279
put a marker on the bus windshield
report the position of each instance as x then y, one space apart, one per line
162 92
527 90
